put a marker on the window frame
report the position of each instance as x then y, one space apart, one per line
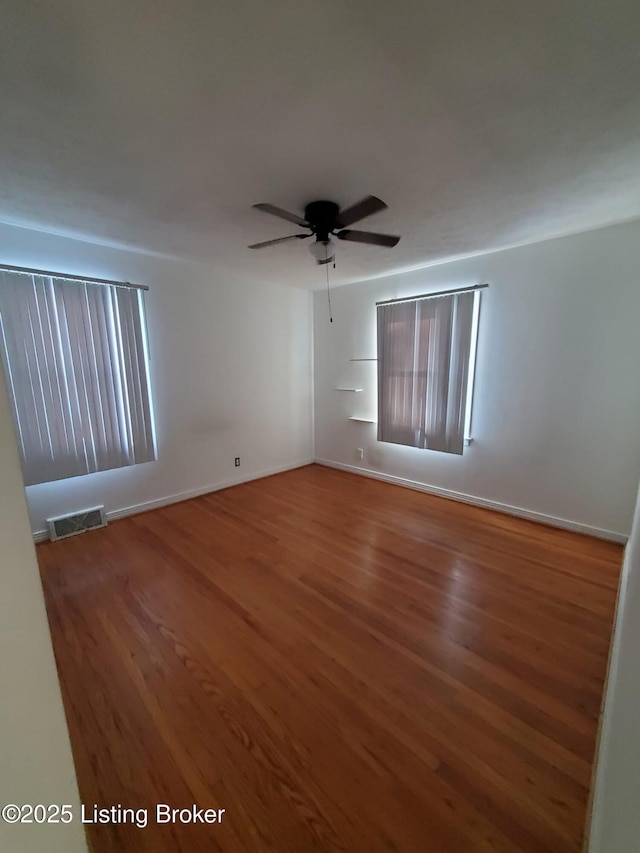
435 364
77 362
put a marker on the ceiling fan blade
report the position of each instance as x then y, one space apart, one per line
283 214
277 240
369 237
370 204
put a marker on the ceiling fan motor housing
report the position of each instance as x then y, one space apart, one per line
322 216
324 219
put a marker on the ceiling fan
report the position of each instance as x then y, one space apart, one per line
325 220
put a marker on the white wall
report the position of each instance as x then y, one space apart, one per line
35 754
557 394
230 371
615 824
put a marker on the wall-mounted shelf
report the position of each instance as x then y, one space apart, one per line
355 417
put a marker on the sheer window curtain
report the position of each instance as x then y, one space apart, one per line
75 357
423 368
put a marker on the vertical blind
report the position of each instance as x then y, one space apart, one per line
75 357
423 367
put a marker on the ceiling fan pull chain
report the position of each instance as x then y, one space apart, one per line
329 290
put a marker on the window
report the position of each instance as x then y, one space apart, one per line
425 370
75 358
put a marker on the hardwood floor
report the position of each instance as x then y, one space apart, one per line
340 664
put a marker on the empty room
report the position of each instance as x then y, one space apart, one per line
319 426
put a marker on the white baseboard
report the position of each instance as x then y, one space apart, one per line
552 520
43 535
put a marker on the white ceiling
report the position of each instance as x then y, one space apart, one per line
157 124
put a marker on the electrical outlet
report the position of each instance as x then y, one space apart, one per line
360 453
236 461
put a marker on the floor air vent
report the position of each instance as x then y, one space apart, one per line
77 522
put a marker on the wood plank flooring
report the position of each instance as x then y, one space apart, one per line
340 664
